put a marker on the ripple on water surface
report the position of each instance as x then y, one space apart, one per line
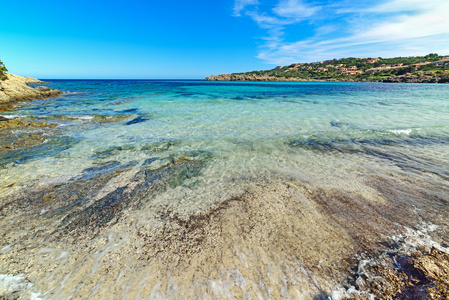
158 189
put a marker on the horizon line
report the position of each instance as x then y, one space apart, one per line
178 79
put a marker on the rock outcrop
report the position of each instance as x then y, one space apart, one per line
16 89
249 77
417 78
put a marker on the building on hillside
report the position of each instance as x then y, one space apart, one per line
352 68
352 72
371 60
443 62
421 64
386 67
375 70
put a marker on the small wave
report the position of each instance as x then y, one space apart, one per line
85 117
12 116
403 131
396 261
71 93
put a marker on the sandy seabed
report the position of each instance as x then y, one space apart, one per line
307 224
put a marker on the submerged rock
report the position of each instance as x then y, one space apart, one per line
98 196
109 118
19 123
9 141
402 274
25 146
97 211
159 146
103 153
139 119
16 135
279 238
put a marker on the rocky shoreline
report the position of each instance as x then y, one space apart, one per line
406 78
16 133
249 77
15 89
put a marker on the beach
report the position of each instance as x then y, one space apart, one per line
192 189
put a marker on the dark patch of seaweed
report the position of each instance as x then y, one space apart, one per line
137 120
109 208
384 149
51 147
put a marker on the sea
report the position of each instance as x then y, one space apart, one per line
192 189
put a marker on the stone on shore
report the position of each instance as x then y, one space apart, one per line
18 123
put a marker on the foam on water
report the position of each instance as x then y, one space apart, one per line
403 131
14 287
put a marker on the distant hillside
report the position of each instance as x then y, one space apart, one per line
431 68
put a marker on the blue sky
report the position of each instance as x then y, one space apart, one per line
193 39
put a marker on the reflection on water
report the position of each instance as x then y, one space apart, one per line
184 189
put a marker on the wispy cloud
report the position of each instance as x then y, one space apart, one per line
390 28
409 6
294 9
240 5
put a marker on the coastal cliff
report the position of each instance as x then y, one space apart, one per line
15 89
406 78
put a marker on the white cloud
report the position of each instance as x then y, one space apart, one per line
408 6
393 28
406 27
265 20
240 5
294 9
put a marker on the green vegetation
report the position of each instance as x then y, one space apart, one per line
2 71
359 69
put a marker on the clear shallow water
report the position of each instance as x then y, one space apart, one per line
167 153
224 117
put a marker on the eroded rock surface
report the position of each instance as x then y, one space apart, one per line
419 273
16 89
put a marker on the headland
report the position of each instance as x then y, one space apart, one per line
431 68
15 89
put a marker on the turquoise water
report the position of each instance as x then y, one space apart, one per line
127 158
227 118
219 117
